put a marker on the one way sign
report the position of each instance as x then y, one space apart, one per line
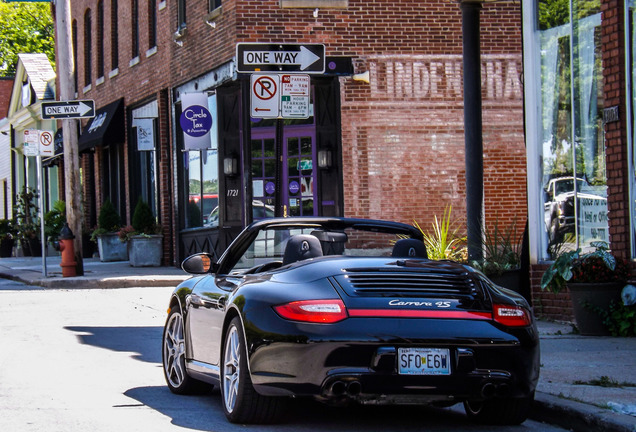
262 57
68 109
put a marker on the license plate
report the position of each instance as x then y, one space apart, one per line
424 361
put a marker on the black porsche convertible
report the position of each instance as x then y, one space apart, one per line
347 310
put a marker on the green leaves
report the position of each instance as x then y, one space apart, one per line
25 28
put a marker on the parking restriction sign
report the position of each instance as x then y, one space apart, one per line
265 100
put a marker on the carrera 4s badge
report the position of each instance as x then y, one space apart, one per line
437 304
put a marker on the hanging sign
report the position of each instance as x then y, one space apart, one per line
31 145
145 134
195 121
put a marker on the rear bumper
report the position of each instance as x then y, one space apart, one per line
361 364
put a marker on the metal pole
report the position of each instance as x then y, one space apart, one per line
473 129
41 203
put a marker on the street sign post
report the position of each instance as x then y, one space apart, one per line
68 109
290 58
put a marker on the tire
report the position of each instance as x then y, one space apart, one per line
174 355
509 411
241 403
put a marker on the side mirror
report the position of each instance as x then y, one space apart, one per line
200 263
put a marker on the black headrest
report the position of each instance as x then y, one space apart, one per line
332 242
409 248
300 247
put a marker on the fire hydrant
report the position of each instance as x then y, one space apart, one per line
67 248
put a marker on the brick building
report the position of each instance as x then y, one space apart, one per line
389 148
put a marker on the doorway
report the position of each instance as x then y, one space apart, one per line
298 190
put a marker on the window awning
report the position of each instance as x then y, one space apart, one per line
107 127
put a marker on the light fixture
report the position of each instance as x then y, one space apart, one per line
362 77
324 159
230 166
316 12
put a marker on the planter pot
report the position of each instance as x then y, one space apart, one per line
145 251
111 248
6 247
586 298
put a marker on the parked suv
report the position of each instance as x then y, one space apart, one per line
559 204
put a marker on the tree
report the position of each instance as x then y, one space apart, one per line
25 27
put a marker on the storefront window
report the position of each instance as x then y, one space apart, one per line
202 180
572 147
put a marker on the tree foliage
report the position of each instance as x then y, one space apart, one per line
25 27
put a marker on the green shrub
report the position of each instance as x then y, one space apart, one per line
143 221
108 217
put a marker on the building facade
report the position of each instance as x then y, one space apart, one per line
384 137
34 83
579 125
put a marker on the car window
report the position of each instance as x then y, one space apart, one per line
269 245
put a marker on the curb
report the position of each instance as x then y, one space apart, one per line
578 416
81 282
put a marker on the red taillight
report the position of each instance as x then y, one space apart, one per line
512 316
313 311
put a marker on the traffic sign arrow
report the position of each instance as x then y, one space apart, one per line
68 109
303 57
255 57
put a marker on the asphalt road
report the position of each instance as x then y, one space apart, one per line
90 360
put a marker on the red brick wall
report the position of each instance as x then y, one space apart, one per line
402 134
6 87
613 40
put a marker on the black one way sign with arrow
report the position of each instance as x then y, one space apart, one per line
262 57
68 109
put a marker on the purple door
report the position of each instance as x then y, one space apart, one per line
298 180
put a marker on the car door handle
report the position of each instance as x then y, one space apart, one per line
195 300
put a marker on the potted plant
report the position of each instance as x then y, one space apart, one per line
28 223
502 257
106 235
443 242
594 280
144 238
7 237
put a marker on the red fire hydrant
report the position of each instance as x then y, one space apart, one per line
67 248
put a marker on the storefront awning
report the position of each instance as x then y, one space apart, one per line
107 127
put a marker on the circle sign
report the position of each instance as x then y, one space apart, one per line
270 188
294 187
196 121
264 88
46 138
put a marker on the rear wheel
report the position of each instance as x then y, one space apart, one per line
241 403
510 411
173 355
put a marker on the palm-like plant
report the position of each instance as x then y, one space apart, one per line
443 242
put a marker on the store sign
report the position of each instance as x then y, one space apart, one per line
195 121
145 134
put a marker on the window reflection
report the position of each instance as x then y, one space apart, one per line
575 213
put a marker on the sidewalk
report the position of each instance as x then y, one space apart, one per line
572 366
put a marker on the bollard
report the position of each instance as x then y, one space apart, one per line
68 262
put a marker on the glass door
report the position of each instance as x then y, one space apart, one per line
298 191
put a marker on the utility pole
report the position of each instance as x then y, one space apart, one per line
66 77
